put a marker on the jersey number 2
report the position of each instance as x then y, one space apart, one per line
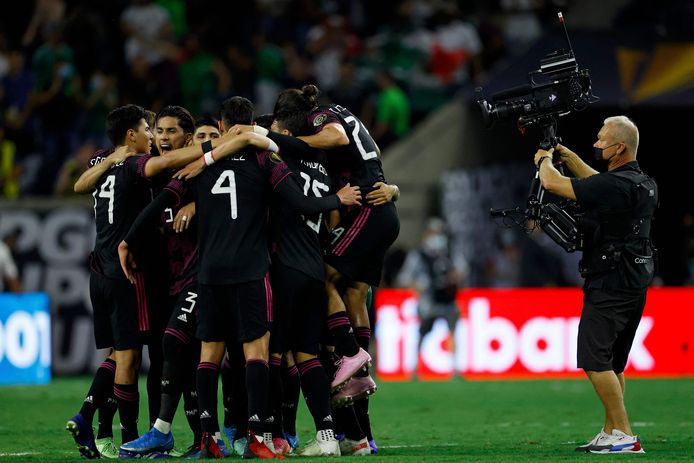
220 189
355 135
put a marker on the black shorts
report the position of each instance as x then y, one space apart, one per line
607 328
359 242
121 320
184 315
239 312
299 309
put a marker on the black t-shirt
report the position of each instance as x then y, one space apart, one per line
359 162
120 194
232 198
295 241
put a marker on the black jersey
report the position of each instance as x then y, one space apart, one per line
359 162
182 248
295 241
232 198
120 194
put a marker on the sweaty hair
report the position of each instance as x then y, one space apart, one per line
293 121
624 130
206 120
237 110
185 120
264 120
293 99
122 119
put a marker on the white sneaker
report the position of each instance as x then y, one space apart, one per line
324 445
618 442
355 447
586 447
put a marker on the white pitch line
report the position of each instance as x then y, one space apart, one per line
446 444
18 454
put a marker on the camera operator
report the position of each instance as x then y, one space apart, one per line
617 264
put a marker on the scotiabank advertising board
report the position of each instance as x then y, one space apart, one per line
524 333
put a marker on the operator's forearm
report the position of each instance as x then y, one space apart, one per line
332 136
554 182
578 167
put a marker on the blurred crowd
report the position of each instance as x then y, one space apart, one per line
65 64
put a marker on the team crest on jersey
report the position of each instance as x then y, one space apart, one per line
319 120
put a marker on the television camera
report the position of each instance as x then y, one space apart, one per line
556 89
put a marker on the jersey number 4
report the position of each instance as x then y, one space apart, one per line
220 188
108 191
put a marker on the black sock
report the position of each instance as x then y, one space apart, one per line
190 407
363 336
347 423
128 400
327 359
106 413
361 406
207 396
361 409
341 329
290 402
174 345
234 391
100 390
276 397
316 387
156 363
257 379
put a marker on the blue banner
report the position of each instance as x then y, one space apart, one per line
25 339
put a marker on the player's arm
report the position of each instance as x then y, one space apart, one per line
90 177
169 197
333 135
240 141
551 179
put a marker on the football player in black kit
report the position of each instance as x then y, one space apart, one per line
359 241
298 281
174 130
121 318
235 296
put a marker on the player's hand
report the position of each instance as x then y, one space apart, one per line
381 194
541 154
240 128
127 261
192 170
183 217
349 195
121 154
564 152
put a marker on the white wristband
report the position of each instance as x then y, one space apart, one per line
208 158
260 130
272 146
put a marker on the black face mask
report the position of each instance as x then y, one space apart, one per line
598 152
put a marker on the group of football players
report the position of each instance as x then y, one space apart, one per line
247 247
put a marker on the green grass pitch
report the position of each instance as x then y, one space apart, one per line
507 421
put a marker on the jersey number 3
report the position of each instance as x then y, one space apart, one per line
220 188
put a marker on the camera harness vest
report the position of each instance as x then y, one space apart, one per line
609 233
